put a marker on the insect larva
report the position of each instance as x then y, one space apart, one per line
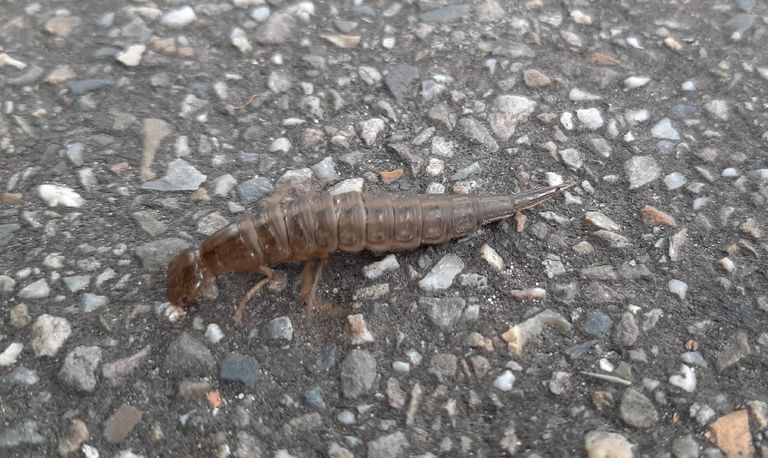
314 226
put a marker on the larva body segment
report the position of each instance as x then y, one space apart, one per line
314 226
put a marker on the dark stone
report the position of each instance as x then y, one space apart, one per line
6 233
158 253
448 13
637 410
237 368
404 151
254 189
187 356
597 323
80 87
358 372
399 80
325 361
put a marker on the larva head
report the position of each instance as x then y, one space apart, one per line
187 275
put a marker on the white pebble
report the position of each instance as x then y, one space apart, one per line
492 257
688 86
606 366
590 117
259 13
674 180
435 167
726 264
54 261
388 42
346 417
401 366
281 145
55 195
634 82
678 288
730 172
214 333
131 57
348 185
11 354
414 357
566 119
179 17
686 380
577 95
377 269
436 188
553 179
505 381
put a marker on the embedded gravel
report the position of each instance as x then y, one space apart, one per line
627 317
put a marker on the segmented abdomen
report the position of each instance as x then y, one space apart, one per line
323 223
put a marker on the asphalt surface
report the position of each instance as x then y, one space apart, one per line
626 317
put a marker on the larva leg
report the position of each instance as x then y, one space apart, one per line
252 292
309 292
310 280
306 279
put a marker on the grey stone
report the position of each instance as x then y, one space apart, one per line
641 170
158 253
445 312
238 368
186 356
637 410
597 323
20 376
49 334
448 13
93 302
389 446
25 433
35 290
370 129
466 172
735 350
147 221
277 29
674 180
600 146
506 112
442 274
79 368
314 397
399 80
664 129
81 87
254 189
740 23
571 158
508 48
685 447
627 331
76 283
325 171
325 360
280 329
441 116
477 133
6 284
180 176
358 372
210 223
678 288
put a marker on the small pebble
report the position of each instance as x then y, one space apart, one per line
213 333
505 381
